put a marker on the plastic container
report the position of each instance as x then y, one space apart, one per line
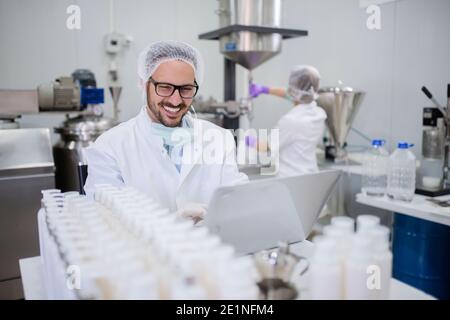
356 269
430 173
402 173
382 259
325 271
366 222
345 223
375 165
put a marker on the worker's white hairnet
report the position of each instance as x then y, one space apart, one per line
159 52
304 81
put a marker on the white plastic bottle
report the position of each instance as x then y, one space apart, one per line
374 179
366 222
383 260
342 236
325 271
402 173
345 223
357 267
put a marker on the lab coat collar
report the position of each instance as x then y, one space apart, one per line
193 150
145 124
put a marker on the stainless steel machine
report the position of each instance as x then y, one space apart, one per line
80 131
249 34
433 179
76 134
78 97
26 168
72 93
341 105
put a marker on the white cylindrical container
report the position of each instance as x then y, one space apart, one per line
366 222
325 271
345 223
358 284
383 260
342 237
374 178
402 173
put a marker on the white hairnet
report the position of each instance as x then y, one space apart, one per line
304 81
159 52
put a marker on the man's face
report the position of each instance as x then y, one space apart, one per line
170 110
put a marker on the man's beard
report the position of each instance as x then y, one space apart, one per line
158 114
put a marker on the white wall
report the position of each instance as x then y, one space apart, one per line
412 49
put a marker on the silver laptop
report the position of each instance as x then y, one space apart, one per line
259 214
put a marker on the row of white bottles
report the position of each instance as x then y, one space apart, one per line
349 265
127 246
393 175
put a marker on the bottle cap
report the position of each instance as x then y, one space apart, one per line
333 231
404 145
345 223
366 222
378 142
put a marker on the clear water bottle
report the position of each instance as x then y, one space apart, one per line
402 173
375 167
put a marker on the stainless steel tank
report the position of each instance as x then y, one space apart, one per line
250 49
76 134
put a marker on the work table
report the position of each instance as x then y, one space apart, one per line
419 207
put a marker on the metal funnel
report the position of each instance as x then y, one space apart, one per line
115 94
251 57
250 32
245 47
341 106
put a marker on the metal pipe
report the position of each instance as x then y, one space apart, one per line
230 91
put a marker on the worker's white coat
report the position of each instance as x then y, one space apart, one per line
300 130
130 154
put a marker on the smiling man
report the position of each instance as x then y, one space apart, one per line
159 152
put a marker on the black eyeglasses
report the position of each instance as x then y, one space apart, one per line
165 90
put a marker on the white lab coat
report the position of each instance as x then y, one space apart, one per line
300 130
130 154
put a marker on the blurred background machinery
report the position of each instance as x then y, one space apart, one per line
29 163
